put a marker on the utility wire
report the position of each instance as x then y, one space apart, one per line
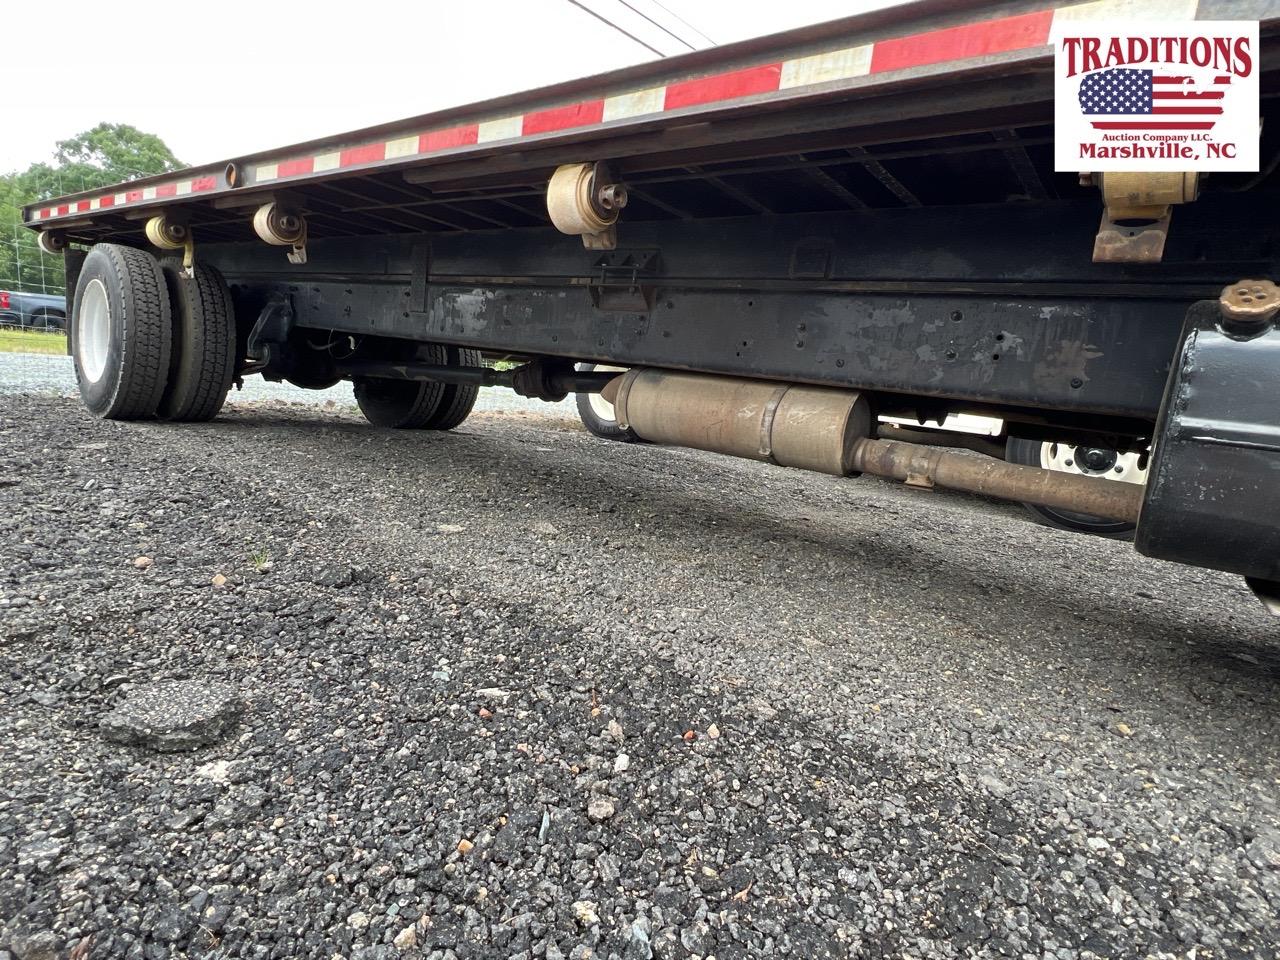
673 36
684 21
604 19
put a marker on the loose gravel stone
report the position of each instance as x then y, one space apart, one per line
600 809
180 715
584 912
406 939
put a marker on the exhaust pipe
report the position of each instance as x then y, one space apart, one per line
829 430
921 466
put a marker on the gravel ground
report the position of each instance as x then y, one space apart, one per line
517 692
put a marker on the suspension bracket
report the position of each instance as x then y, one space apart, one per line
1136 213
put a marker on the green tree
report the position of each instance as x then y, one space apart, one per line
109 153
118 150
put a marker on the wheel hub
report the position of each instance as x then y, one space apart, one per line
93 331
1095 459
1093 462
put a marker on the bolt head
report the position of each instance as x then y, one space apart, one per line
1251 302
612 196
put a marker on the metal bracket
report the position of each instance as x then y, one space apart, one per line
270 331
1136 213
623 281
1211 492
1130 240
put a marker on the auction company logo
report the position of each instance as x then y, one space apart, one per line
1156 97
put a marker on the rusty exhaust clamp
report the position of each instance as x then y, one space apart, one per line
1136 213
829 430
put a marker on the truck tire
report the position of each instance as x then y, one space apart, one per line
122 333
596 413
399 404
419 405
455 405
49 321
1037 453
203 359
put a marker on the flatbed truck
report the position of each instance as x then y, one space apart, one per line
768 249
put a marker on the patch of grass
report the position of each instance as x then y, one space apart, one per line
32 341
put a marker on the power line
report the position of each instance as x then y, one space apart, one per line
673 36
685 22
606 20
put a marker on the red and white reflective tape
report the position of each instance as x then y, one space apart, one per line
157 191
984 38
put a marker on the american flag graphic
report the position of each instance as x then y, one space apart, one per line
1146 100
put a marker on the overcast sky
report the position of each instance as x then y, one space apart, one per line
250 76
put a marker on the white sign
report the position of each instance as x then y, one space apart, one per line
1156 96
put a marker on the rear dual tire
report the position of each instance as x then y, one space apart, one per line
122 336
203 360
420 405
149 341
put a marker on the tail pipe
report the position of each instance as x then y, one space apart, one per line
830 431
923 466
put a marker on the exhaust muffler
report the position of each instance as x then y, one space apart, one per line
813 428
829 430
